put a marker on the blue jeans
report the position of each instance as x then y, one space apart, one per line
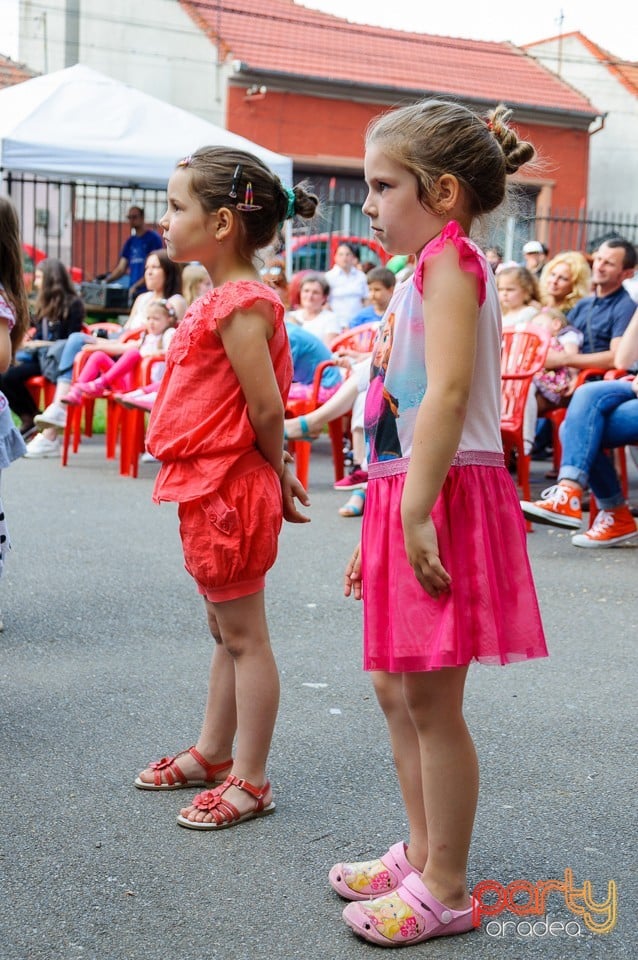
73 345
600 416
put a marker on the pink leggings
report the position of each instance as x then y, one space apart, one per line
117 373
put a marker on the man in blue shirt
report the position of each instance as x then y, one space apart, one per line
603 317
142 241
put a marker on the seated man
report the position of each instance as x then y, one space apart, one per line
133 256
602 415
603 317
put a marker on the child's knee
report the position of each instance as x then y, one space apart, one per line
389 691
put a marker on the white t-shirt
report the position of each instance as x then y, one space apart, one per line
348 293
325 325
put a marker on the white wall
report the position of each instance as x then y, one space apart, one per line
150 44
613 170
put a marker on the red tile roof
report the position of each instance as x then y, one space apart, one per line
12 72
624 70
281 36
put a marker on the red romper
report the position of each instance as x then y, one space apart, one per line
229 496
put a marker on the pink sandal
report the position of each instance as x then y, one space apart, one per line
224 813
411 914
175 779
94 389
367 879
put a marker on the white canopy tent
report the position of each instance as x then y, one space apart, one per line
78 124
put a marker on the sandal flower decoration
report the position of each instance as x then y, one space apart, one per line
208 800
162 763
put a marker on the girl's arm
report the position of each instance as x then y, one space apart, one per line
245 337
450 309
627 351
5 347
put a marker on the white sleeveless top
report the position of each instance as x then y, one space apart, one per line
398 379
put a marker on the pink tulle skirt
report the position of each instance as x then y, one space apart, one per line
491 613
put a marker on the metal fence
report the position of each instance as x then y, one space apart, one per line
84 224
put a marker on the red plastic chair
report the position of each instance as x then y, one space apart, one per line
133 423
83 412
41 389
357 340
523 355
300 449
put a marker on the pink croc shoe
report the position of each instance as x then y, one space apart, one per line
408 915
372 878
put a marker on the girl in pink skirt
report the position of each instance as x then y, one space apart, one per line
443 566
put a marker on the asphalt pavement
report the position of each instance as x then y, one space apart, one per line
104 661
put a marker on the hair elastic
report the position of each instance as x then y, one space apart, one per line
290 211
186 161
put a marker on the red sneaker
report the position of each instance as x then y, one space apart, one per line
558 506
357 480
610 528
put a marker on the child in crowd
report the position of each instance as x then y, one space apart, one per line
103 375
443 566
195 282
518 294
217 427
381 283
14 323
554 385
549 388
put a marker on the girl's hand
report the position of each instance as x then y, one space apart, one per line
292 489
422 549
353 584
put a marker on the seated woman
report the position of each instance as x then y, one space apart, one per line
565 280
59 313
164 282
314 315
102 375
601 415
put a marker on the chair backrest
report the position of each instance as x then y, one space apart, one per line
523 352
358 340
523 355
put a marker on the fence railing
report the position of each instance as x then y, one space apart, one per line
84 224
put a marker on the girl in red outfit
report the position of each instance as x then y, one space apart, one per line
218 429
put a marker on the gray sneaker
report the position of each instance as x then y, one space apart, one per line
53 416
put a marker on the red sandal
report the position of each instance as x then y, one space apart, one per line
224 813
175 779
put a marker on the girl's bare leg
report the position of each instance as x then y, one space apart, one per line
216 737
449 770
407 759
244 635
